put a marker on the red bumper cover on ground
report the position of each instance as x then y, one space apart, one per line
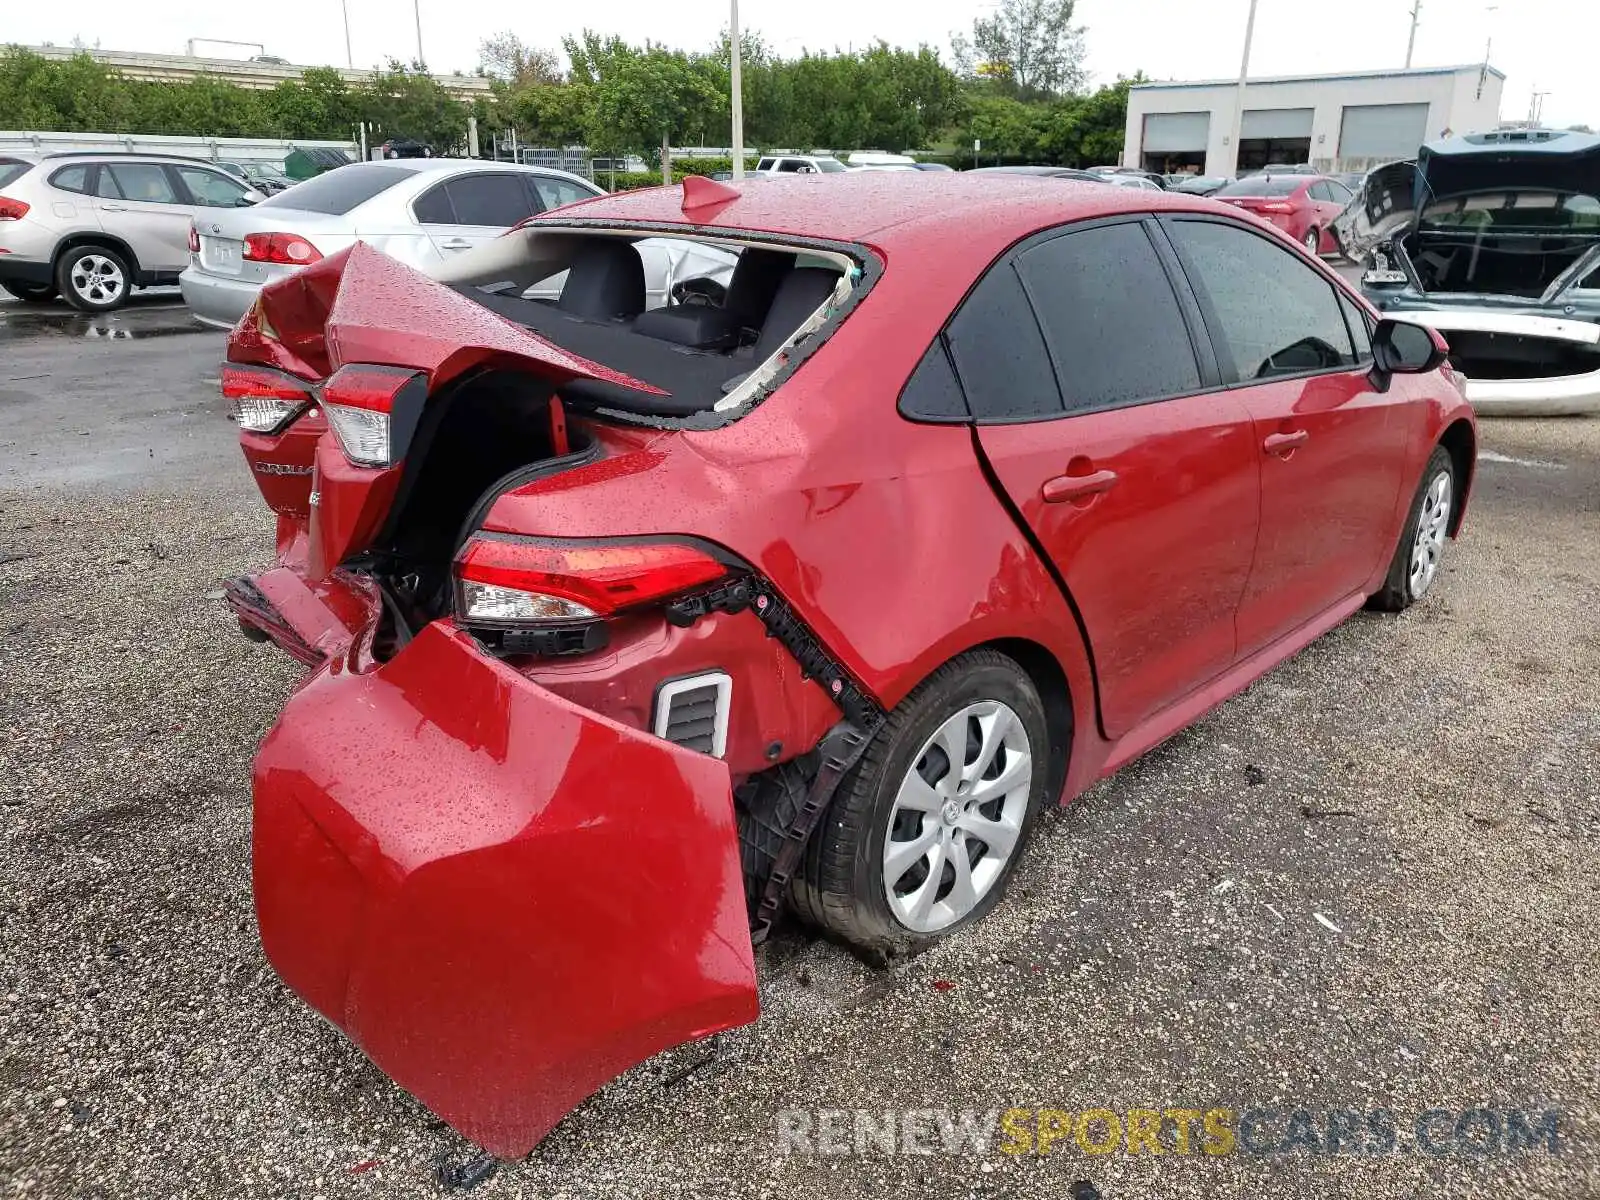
502 898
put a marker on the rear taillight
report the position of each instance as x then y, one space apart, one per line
288 249
262 400
374 411
194 239
1274 206
12 210
507 580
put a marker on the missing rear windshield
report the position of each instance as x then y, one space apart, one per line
713 322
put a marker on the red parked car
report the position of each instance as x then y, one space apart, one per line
628 627
1303 206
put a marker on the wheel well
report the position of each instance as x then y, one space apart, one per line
1462 445
1051 683
104 240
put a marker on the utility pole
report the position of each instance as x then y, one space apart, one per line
416 10
1238 108
1535 108
349 58
1411 43
736 87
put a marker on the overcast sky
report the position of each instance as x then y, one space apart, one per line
1544 44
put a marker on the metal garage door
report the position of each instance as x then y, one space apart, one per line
1175 133
1382 130
1276 123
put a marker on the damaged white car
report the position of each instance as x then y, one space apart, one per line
1494 240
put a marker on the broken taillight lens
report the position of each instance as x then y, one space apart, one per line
262 400
194 239
511 580
373 411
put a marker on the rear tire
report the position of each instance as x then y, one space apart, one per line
94 278
908 792
1417 559
32 293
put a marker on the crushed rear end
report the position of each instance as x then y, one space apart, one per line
496 852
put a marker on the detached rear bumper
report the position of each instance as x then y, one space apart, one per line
503 899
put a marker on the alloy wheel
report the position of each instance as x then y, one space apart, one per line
957 816
1313 242
1432 523
97 279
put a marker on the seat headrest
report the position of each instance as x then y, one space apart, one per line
605 282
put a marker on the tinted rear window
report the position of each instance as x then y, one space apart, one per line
13 169
1264 185
340 190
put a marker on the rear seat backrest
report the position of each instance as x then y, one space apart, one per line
755 281
799 295
605 282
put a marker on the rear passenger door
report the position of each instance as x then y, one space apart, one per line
141 203
1333 450
1095 395
469 210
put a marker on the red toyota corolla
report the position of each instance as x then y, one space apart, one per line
628 627
1303 206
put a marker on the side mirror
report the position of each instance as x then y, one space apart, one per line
1401 348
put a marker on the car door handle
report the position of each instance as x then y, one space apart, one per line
1283 444
456 244
112 208
1075 487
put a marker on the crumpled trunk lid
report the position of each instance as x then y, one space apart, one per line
362 308
503 899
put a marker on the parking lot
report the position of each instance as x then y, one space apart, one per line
1370 882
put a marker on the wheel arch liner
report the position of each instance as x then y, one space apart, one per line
503 899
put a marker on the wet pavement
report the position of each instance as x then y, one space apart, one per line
119 399
1366 884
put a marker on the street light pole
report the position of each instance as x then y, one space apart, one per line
1238 108
349 58
736 87
1411 44
416 9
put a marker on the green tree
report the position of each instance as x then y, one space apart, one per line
1029 48
1086 131
408 102
507 57
1007 127
645 101
317 105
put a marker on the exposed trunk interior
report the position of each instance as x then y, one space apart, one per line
484 436
1480 355
1501 265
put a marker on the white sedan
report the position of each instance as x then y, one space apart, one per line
422 211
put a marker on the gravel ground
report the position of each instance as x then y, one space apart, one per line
1428 784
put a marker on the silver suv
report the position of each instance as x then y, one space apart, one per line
92 227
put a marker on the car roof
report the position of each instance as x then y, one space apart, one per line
423 166
961 213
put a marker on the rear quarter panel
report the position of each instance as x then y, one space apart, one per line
883 534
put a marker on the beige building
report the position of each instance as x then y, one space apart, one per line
1346 122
